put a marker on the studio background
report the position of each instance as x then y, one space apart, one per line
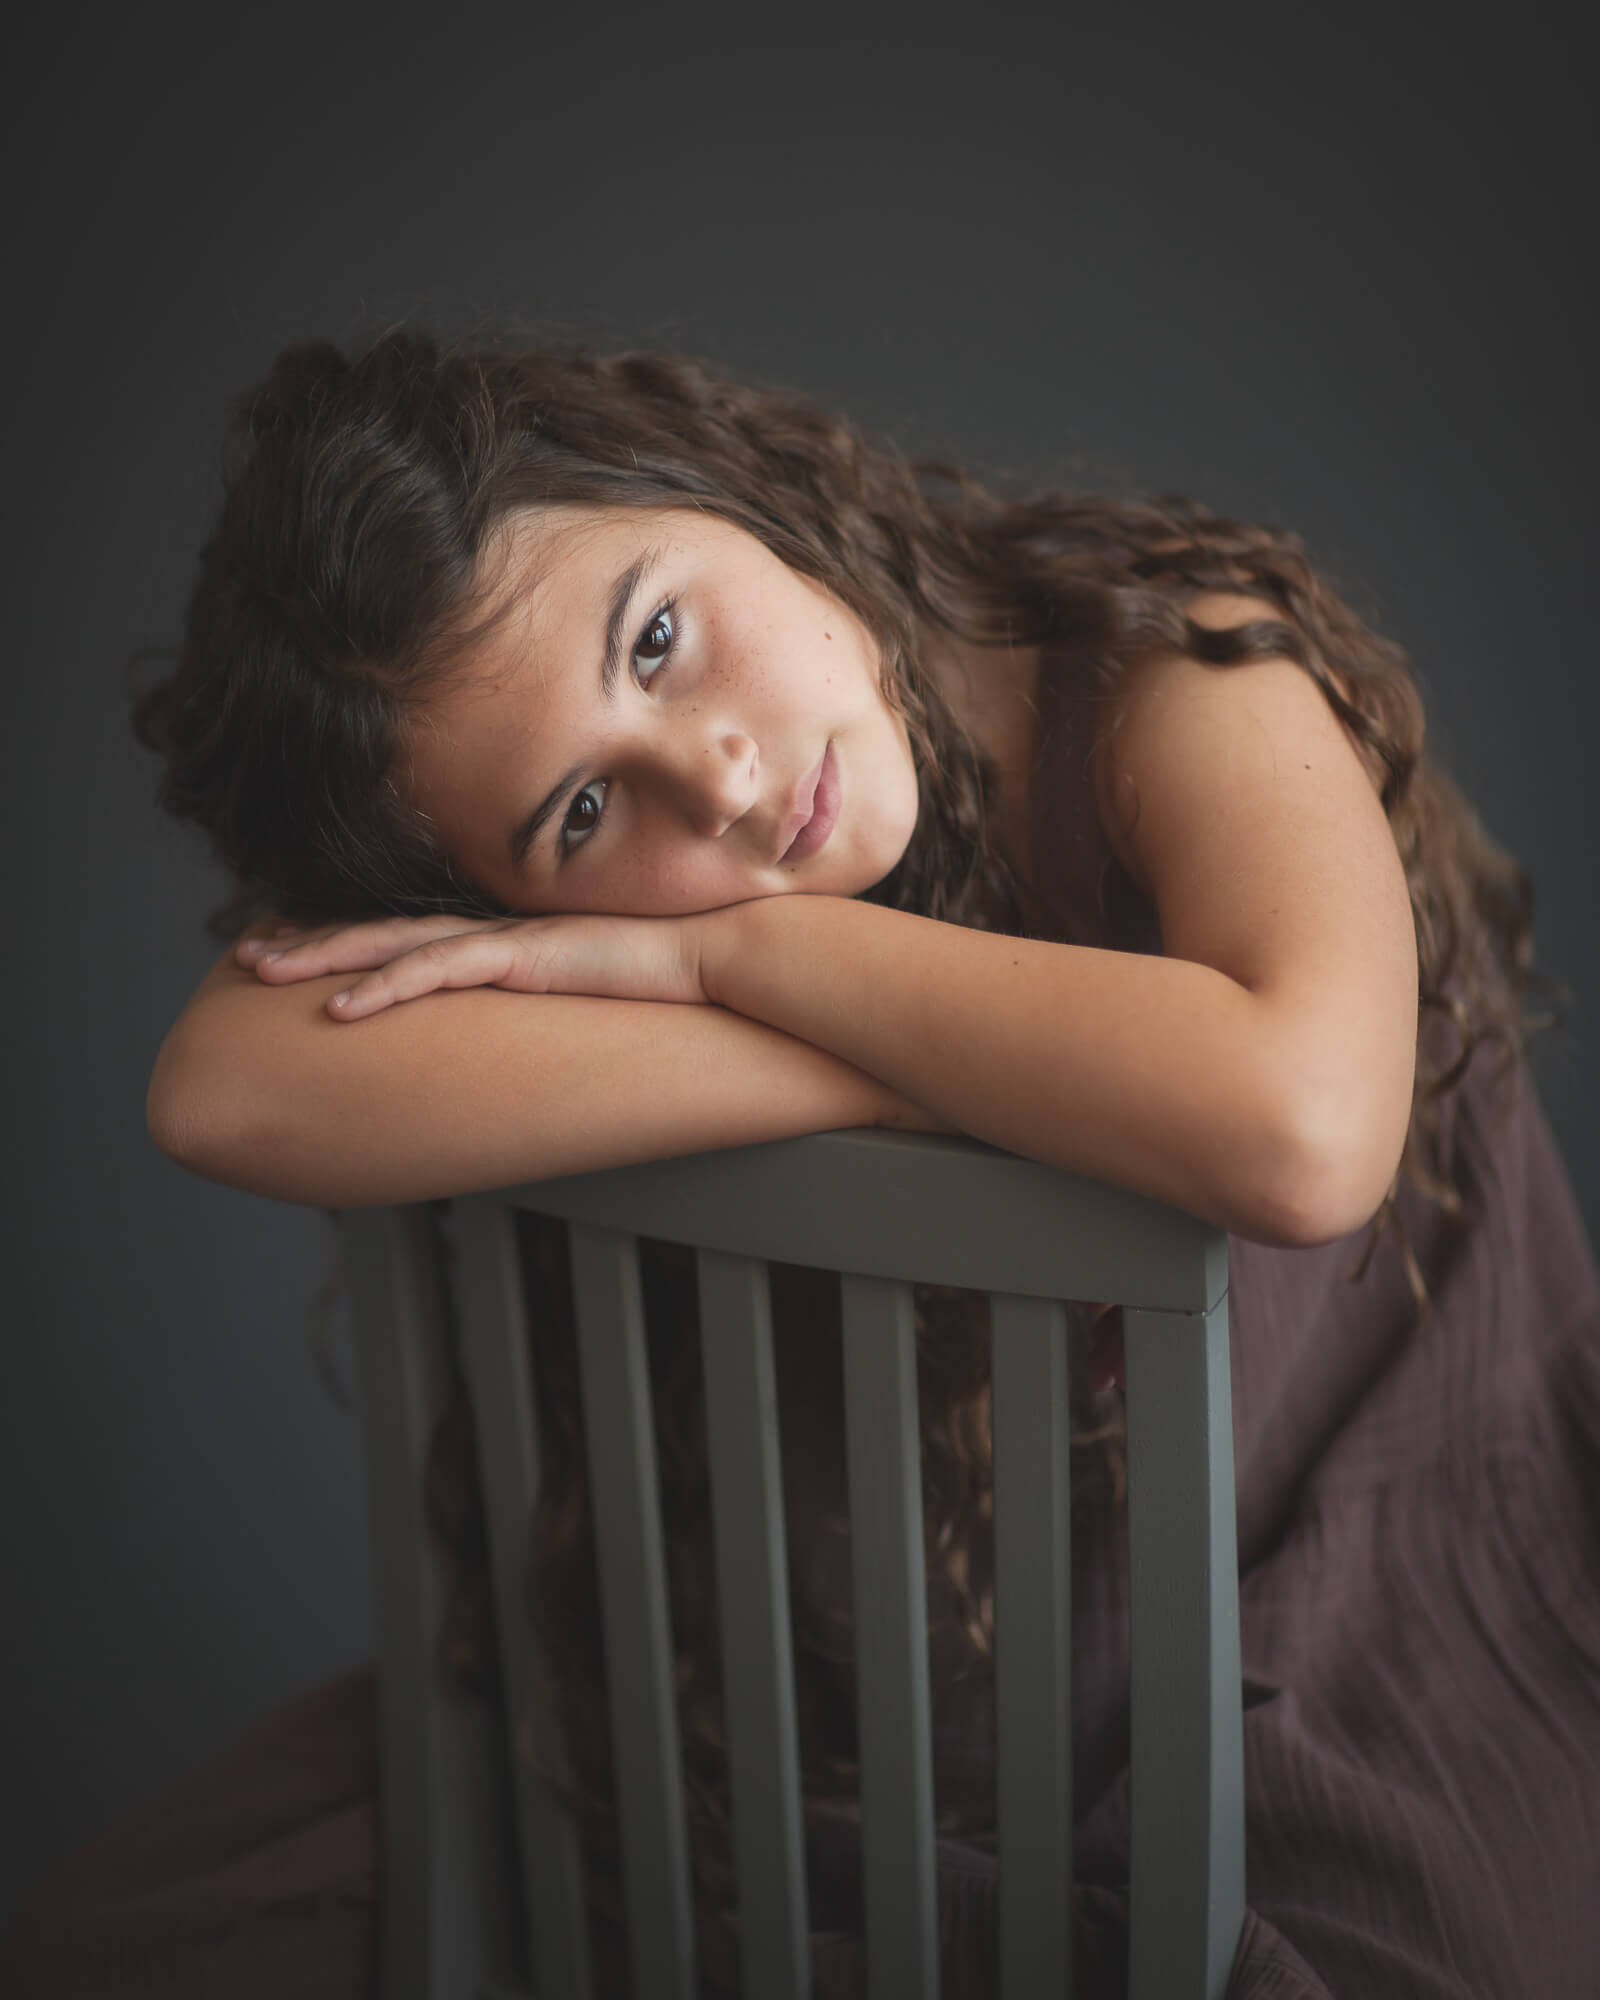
1307 263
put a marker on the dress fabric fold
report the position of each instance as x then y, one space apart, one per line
1419 1538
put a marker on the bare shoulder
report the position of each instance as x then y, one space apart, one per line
227 972
1238 800
1154 696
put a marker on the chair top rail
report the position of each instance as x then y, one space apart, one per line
918 1207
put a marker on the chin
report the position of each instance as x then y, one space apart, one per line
875 873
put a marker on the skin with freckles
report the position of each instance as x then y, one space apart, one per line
1257 1073
657 722
682 790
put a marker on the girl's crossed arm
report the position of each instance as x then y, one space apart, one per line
1258 1074
258 1087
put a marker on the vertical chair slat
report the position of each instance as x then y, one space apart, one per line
442 1889
753 1608
625 1493
890 1589
1187 1891
446 1837
493 1326
1033 1648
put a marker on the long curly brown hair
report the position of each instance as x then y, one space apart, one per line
346 578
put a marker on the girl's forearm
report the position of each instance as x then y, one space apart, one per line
1161 1075
256 1087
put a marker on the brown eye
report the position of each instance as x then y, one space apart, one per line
583 815
656 641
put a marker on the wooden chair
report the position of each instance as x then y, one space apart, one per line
482 1887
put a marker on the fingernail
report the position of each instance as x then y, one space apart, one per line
339 999
268 956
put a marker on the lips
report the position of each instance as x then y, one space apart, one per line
816 809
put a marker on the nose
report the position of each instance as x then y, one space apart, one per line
716 781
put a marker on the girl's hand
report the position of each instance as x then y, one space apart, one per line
1105 1363
621 958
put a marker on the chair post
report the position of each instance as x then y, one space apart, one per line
493 1330
753 1619
445 1912
1033 1645
625 1494
893 1711
886 1211
1187 1804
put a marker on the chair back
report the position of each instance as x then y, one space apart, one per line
482 1883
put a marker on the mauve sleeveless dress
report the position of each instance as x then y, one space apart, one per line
1419 1543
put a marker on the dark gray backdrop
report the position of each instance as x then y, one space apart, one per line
1311 268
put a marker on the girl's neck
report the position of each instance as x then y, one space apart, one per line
994 692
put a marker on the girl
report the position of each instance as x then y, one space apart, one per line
615 762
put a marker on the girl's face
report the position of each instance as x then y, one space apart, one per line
667 719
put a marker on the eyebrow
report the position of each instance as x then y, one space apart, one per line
527 831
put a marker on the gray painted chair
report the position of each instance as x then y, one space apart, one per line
482 1890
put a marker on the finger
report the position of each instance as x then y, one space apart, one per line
353 947
1105 1360
250 949
1107 1367
283 937
481 959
